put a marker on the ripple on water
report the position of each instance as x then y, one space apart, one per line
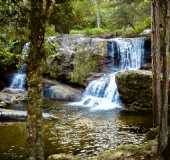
76 131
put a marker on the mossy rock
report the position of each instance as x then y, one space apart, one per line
73 58
60 157
146 151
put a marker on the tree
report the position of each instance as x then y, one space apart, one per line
98 17
62 16
160 66
39 14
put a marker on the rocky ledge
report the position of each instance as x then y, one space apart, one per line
52 90
135 89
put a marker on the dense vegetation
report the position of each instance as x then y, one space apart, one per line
70 16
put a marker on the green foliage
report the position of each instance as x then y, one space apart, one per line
7 58
50 31
125 16
83 65
90 31
62 17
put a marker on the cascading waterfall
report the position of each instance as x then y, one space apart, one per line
19 78
102 93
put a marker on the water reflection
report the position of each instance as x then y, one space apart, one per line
77 131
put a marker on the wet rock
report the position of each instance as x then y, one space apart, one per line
60 157
58 91
152 134
135 89
10 96
2 104
147 31
9 114
73 57
147 66
146 151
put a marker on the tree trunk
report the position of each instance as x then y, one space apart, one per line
39 12
156 62
153 51
160 64
163 129
98 17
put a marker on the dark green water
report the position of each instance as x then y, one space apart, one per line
77 131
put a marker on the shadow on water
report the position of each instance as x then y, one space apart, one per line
76 130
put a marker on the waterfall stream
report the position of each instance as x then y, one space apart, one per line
19 78
102 93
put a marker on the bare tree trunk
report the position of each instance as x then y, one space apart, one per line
98 16
39 12
156 62
160 64
153 51
163 129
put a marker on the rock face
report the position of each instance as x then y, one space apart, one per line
135 89
73 58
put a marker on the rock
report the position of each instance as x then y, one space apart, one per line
135 89
147 66
3 104
9 114
73 57
146 151
58 91
60 157
147 31
10 96
151 134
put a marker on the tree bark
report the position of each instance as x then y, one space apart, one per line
156 62
163 129
38 18
153 51
160 65
98 16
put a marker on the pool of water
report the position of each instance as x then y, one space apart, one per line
76 130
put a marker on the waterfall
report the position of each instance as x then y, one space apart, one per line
19 78
124 54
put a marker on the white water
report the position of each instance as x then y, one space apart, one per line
102 93
19 78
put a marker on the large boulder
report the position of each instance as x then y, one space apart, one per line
73 57
135 89
58 91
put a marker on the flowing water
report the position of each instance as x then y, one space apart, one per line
76 131
102 93
19 78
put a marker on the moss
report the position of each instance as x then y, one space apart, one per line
131 152
151 134
83 65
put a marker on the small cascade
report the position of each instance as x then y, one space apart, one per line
124 54
19 78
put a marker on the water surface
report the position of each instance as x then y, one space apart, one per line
76 130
